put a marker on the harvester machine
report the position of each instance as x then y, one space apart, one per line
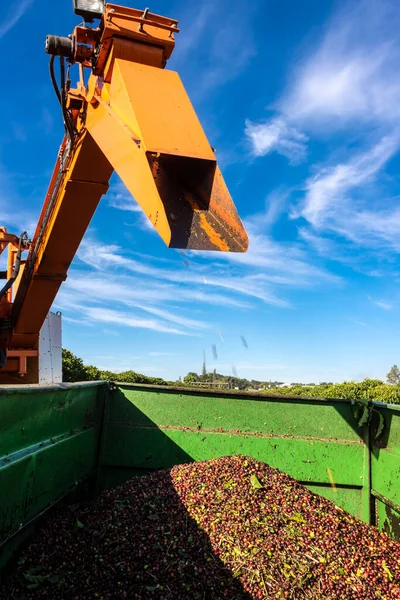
130 115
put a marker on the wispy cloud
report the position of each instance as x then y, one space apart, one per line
47 121
275 205
322 244
101 257
282 263
97 314
168 290
213 67
133 290
249 367
104 315
349 84
381 304
13 15
11 215
119 197
330 188
179 319
276 135
353 76
348 81
19 132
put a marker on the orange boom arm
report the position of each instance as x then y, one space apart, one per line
134 117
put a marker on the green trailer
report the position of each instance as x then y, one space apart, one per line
67 442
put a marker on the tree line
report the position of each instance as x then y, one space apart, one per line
74 370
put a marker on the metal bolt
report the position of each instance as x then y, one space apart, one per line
144 16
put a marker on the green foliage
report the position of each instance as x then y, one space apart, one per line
393 376
93 373
369 389
132 377
190 378
75 370
387 393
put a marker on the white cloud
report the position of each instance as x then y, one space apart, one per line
191 34
213 66
255 275
74 300
105 315
13 15
349 202
101 257
134 291
276 135
275 205
349 80
47 121
170 291
119 197
354 74
19 220
280 263
111 332
246 366
379 228
352 80
329 189
381 303
19 132
323 245
179 319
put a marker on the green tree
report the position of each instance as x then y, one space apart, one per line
108 376
394 375
93 373
73 368
190 378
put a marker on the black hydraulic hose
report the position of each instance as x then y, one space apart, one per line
17 266
63 161
67 120
53 78
61 95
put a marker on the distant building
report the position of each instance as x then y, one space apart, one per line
215 384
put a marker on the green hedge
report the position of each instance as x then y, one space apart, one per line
370 389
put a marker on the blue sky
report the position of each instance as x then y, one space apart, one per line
302 102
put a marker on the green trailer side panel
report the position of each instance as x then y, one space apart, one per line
64 425
317 442
387 518
52 439
385 473
35 480
30 415
348 498
305 460
264 415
